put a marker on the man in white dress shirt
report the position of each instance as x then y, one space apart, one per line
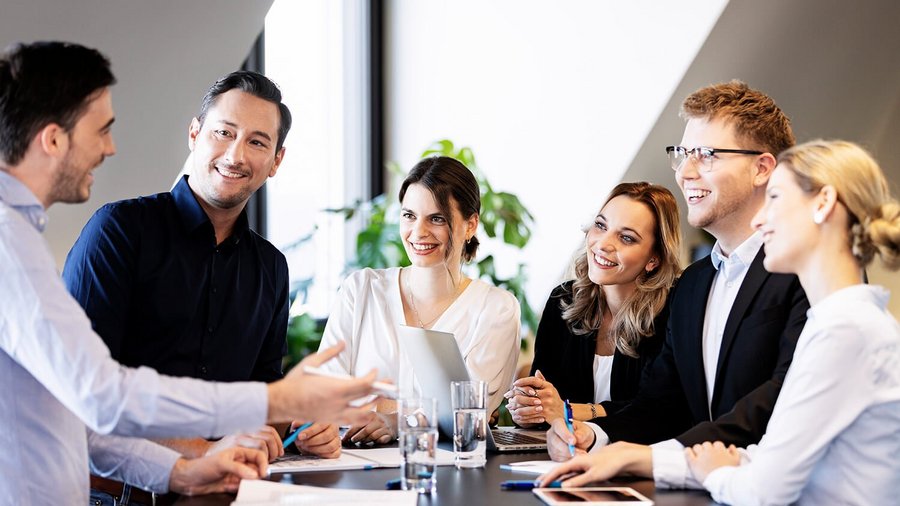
732 326
63 398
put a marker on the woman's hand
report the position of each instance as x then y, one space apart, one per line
534 400
707 457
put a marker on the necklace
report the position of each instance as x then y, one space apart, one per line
412 303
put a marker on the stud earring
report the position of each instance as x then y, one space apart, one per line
818 218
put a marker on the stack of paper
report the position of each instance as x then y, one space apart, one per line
530 466
270 493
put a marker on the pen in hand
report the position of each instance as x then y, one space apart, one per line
293 437
567 414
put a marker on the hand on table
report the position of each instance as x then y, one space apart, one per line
707 457
615 459
559 438
319 439
219 472
266 439
381 430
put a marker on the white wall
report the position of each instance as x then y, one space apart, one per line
165 54
555 98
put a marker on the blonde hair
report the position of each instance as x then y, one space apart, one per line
634 321
861 187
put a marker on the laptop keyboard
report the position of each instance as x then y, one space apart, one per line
505 437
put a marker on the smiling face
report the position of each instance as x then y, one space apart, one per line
725 199
89 143
786 223
234 149
620 244
426 232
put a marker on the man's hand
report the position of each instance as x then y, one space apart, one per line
534 400
559 438
319 439
301 396
707 457
381 430
221 472
265 439
615 459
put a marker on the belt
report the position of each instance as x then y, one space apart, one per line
118 490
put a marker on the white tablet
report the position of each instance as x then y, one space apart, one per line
608 496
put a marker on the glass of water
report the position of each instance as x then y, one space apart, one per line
468 401
418 435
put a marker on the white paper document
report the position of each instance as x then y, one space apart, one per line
270 493
530 466
368 458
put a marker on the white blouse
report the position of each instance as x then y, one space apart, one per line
484 320
834 435
602 374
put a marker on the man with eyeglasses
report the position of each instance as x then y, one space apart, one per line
732 326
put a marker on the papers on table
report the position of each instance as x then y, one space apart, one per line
269 493
530 466
368 458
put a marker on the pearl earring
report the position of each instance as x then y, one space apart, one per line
818 218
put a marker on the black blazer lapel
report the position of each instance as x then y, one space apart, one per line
753 281
692 336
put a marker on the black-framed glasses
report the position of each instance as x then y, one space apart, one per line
704 155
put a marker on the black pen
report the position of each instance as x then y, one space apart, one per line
526 484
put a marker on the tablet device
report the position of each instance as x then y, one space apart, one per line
606 496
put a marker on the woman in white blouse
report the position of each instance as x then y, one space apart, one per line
440 205
834 435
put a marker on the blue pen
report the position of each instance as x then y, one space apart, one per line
293 437
568 417
526 484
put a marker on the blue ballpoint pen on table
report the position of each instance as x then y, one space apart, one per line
526 484
568 416
293 437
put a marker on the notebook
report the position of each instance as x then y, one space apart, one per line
436 361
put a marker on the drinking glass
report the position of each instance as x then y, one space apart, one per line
418 435
468 401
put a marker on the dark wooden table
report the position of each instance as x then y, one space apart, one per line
468 487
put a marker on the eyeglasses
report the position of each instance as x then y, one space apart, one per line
704 156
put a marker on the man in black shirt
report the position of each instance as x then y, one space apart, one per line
178 281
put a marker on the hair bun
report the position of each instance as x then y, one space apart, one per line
883 234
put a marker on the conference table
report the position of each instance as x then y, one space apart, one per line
469 487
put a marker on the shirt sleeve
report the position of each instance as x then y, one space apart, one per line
341 328
492 354
99 273
268 366
601 439
47 333
139 462
670 468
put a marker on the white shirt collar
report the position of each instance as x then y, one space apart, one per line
743 254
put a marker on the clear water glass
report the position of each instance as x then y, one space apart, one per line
418 437
468 401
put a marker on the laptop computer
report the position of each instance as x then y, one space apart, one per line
436 361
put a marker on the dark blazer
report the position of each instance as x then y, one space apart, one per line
567 359
757 347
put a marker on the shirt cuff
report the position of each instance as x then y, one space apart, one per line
601 439
670 469
717 480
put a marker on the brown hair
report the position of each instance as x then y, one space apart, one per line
861 187
447 178
754 115
634 320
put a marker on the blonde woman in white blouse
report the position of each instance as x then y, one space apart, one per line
440 205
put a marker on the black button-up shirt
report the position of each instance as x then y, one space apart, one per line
162 293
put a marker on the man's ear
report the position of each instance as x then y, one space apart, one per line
278 158
193 132
765 164
53 140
